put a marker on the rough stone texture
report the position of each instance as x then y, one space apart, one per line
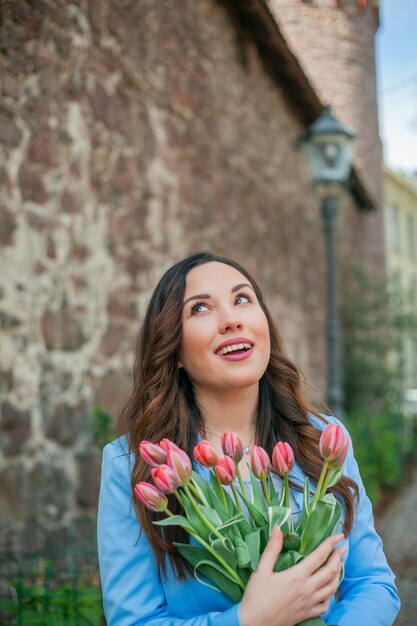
130 136
14 428
64 424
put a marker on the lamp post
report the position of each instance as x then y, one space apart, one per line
329 148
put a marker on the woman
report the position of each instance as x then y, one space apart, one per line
209 359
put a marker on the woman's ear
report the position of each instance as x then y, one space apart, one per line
180 365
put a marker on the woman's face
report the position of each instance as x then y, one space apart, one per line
225 336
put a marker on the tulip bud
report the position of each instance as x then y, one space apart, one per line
232 446
205 454
151 453
340 459
260 462
167 445
333 443
180 462
150 497
282 458
165 479
226 470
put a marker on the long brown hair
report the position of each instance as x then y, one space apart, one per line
162 402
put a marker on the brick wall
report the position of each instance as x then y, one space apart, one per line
334 43
130 136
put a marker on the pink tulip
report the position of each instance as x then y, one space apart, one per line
180 462
167 445
232 446
340 459
165 479
205 454
260 462
333 443
150 497
282 458
152 454
226 470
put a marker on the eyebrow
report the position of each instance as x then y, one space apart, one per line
206 296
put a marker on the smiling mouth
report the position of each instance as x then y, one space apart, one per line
236 348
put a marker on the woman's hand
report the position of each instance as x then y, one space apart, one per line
288 597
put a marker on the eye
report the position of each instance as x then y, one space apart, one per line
198 307
243 298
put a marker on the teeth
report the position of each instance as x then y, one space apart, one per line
233 347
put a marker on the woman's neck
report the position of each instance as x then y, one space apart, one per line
231 410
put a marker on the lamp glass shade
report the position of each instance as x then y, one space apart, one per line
329 147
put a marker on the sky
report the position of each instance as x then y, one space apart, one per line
396 59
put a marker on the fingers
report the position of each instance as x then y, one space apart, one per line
319 556
330 573
271 552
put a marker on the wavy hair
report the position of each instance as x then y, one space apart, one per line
162 403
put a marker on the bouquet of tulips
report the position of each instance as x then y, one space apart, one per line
230 527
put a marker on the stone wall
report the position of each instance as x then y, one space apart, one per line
130 136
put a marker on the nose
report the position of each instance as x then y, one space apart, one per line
230 322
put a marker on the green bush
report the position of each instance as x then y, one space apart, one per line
375 328
38 605
378 445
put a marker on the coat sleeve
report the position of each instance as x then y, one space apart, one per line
368 594
132 592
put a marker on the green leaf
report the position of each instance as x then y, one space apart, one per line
202 487
286 560
211 515
220 577
257 496
193 554
281 516
312 621
321 523
199 526
306 508
218 489
234 521
204 562
335 476
253 542
245 573
176 520
242 552
291 542
226 550
257 516
274 498
244 527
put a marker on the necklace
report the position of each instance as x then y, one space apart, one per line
246 449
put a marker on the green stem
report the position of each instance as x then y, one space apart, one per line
286 491
317 495
266 491
179 498
325 483
195 491
221 491
200 514
236 497
239 477
226 566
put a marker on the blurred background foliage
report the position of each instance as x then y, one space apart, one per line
377 323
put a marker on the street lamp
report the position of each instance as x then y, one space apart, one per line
329 147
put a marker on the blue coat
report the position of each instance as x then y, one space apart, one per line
133 595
